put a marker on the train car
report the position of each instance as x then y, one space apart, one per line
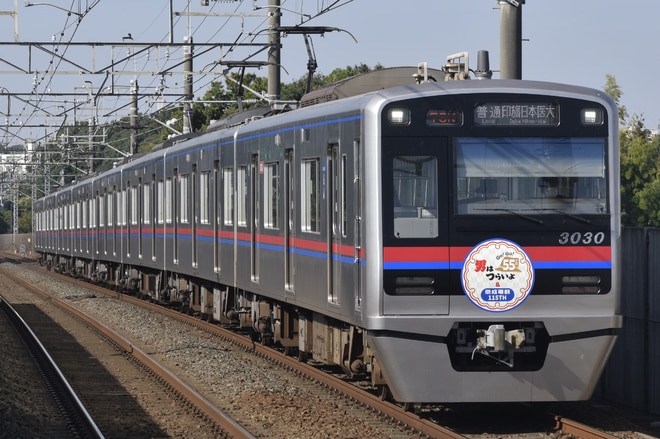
458 241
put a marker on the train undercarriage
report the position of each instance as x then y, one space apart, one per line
302 333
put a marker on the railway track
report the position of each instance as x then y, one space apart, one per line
398 413
418 421
117 411
75 416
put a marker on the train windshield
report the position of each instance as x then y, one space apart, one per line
511 175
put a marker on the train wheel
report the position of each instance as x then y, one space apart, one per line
254 335
384 393
302 356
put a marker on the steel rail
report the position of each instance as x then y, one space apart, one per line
387 408
578 430
233 428
79 418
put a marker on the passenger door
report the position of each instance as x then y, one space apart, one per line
415 202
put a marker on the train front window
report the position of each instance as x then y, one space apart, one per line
530 176
415 196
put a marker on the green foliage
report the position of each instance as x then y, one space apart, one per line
215 109
25 215
612 89
640 167
640 178
5 220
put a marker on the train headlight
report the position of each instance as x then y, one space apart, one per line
398 116
592 116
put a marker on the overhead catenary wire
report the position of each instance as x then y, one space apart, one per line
101 108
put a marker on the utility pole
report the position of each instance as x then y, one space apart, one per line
511 39
274 45
133 116
14 212
13 14
91 126
187 84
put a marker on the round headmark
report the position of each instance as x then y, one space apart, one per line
497 275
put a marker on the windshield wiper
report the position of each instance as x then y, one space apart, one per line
570 215
530 218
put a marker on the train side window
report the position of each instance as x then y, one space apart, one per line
123 207
204 182
102 210
271 195
83 209
185 199
241 196
110 198
344 200
78 216
415 180
92 211
160 205
228 205
134 205
146 203
310 192
168 200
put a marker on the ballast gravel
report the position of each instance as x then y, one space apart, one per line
267 400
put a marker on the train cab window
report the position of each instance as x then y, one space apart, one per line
415 196
530 176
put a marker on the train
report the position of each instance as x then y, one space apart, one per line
451 240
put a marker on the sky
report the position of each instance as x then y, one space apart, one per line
569 41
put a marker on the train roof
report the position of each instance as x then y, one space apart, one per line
353 93
367 82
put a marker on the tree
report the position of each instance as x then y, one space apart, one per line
640 166
338 74
640 178
210 111
25 215
250 84
295 90
612 89
5 220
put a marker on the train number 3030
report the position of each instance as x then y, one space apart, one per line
586 238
